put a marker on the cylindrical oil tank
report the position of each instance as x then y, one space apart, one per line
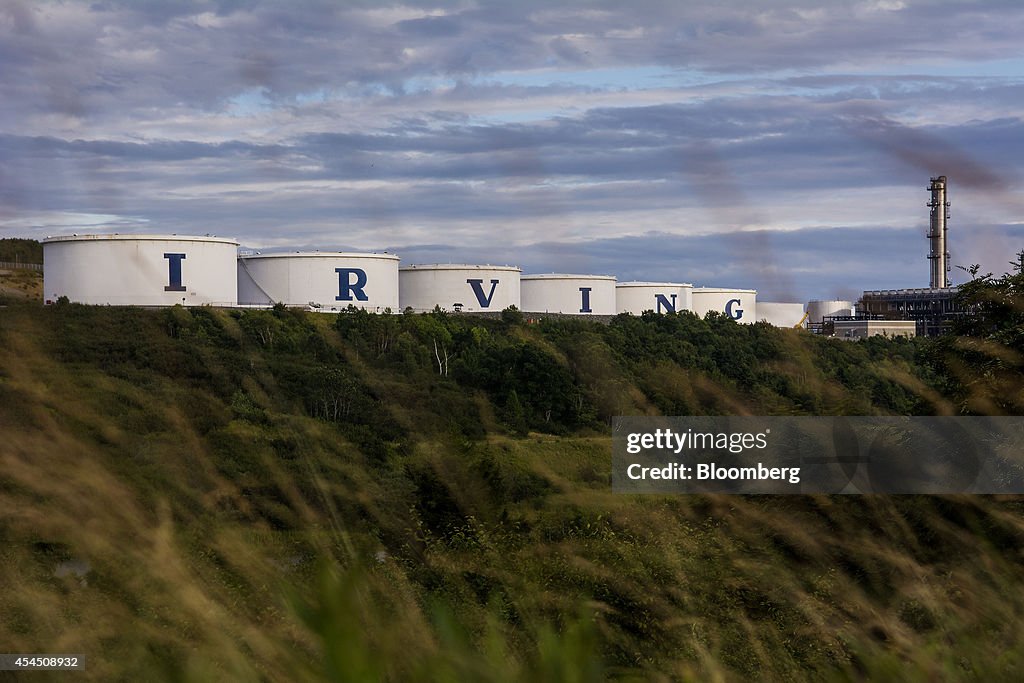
738 304
817 309
467 288
660 297
141 270
572 294
780 314
324 281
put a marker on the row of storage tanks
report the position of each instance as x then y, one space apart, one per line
164 270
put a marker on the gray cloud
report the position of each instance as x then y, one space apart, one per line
81 58
589 133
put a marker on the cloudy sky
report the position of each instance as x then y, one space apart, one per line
784 146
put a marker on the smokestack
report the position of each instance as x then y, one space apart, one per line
938 256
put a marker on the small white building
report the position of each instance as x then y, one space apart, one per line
861 329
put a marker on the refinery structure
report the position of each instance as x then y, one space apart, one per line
934 308
167 270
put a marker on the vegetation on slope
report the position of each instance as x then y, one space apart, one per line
980 366
17 250
253 495
17 283
20 285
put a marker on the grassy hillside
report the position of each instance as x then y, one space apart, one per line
271 495
20 285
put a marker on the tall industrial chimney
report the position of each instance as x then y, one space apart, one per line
938 256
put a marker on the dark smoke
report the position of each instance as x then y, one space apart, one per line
714 183
930 153
934 155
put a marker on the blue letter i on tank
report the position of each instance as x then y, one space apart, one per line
174 273
585 300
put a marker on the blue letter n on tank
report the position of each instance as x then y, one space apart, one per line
663 303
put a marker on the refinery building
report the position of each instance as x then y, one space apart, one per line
934 308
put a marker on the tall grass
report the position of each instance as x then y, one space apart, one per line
171 508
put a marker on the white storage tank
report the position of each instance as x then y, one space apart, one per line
780 314
573 294
141 270
818 309
325 281
738 304
468 288
660 297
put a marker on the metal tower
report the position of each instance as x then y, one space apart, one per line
938 254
